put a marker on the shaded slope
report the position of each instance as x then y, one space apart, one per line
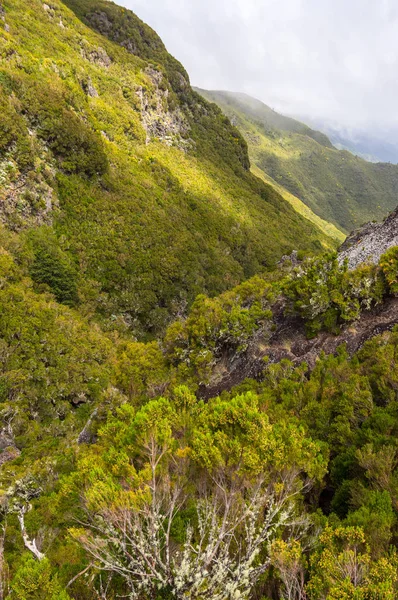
337 186
145 185
328 228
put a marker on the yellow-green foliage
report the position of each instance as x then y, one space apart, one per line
342 415
342 568
389 265
141 229
140 369
337 186
51 359
325 294
34 581
147 226
218 325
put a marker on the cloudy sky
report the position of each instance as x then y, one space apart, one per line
331 59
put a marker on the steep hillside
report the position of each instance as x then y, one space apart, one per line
122 473
115 475
337 186
139 183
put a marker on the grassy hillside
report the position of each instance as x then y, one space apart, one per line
338 187
136 180
124 194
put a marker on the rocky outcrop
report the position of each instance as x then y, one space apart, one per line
3 18
26 199
8 449
367 244
289 341
169 126
87 435
96 55
89 88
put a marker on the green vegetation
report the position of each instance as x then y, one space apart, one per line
52 267
303 165
127 202
275 461
144 186
325 294
215 325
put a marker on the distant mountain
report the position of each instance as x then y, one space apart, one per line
268 117
336 185
375 147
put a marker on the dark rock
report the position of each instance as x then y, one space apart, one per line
290 259
289 341
9 454
87 435
88 88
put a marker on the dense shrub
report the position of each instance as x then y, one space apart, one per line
78 148
326 294
53 267
13 132
35 580
218 325
389 266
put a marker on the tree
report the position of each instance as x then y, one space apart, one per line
342 569
171 521
289 561
34 581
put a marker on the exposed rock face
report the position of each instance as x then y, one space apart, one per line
89 88
290 342
97 56
367 244
291 259
3 17
8 450
169 126
26 199
87 436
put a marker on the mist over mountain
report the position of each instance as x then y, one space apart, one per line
337 186
371 145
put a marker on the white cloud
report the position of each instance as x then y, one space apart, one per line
335 60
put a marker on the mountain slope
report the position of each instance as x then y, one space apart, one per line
340 188
122 194
142 183
371 146
84 412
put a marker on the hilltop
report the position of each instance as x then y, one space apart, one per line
337 186
140 184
